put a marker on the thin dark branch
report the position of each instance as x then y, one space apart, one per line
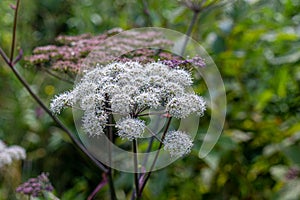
153 134
19 57
136 174
196 8
148 150
4 56
189 31
156 156
99 186
13 43
110 136
111 186
147 13
142 109
149 146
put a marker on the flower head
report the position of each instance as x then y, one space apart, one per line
36 186
72 51
292 173
130 128
61 101
9 154
181 107
128 89
94 122
178 143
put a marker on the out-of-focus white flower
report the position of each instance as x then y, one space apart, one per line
130 128
16 152
177 143
5 159
2 145
9 154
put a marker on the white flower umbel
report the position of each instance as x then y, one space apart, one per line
177 143
147 99
130 128
181 107
9 154
61 101
182 77
16 152
121 103
128 89
93 123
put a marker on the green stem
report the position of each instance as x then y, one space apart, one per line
189 31
14 32
147 13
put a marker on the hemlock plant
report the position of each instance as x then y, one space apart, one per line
130 90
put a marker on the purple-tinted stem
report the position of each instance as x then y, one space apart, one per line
4 56
14 32
99 187
109 172
136 174
19 57
146 178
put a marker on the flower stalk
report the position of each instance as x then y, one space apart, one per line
14 32
136 174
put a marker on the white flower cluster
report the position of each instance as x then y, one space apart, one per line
130 128
128 89
183 106
177 143
9 154
61 101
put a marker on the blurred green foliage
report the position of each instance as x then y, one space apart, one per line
256 46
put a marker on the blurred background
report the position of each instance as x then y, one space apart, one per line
254 43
